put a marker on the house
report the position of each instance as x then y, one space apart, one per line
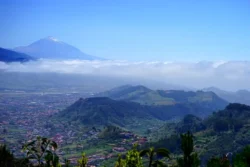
119 149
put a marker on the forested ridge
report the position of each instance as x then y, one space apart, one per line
219 140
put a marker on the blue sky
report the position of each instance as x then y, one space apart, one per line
136 30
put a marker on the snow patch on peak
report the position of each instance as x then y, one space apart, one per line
53 39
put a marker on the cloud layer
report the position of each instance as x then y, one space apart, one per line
231 75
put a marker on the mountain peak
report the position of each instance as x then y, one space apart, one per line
52 48
52 39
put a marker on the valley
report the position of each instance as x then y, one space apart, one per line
110 122
124 83
24 116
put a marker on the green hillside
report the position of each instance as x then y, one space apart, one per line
147 96
240 96
223 132
102 111
139 94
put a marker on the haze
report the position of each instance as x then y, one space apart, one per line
232 75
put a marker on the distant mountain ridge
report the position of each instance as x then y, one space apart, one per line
129 110
8 56
240 96
139 93
144 95
52 48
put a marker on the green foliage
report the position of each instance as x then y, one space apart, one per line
190 123
218 162
52 160
154 154
133 158
190 158
66 162
233 118
83 161
239 107
171 142
40 148
221 125
43 149
102 111
225 131
187 144
237 125
243 159
120 162
111 132
22 162
7 159
159 163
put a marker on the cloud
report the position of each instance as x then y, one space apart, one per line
230 75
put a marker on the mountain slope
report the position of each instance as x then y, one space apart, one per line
241 96
102 111
138 93
51 48
224 132
7 56
147 96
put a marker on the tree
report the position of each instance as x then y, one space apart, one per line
221 125
190 158
52 160
153 153
133 158
218 162
243 159
83 161
40 147
6 158
120 162
159 163
66 162
22 162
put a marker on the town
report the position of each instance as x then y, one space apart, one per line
25 116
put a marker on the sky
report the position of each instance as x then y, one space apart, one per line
134 30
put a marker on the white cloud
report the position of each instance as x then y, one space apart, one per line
225 75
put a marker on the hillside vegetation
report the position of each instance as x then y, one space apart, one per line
226 131
218 140
42 152
240 96
101 111
146 96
